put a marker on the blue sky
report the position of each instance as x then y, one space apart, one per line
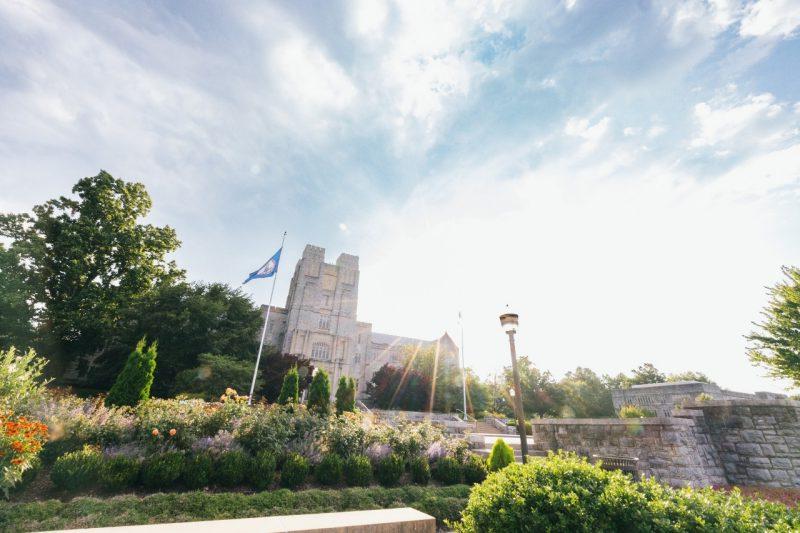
625 175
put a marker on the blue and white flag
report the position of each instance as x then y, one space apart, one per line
268 269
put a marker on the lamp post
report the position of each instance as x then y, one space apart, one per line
510 321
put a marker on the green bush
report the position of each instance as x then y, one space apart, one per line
474 469
634 411
420 470
133 382
447 471
345 395
290 390
230 468
119 472
501 455
329 471
319 393
197 470
77 470
357 471
163 470
262 470
565 494
54 449
389 469
294 471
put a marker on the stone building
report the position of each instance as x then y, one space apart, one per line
319 323
663 398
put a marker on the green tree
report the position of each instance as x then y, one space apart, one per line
689 375
776 344
213 375
274 367
290 391
586 395
646 374
133 383
87 260
345 395
17 312
540 393
319 393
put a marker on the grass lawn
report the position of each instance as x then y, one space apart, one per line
440 502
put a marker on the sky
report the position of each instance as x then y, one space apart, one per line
624 175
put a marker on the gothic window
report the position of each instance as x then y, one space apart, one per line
320 351
324 322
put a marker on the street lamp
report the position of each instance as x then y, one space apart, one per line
510 321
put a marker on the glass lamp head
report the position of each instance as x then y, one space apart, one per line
509 321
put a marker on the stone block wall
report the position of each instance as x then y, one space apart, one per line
758 441
667 448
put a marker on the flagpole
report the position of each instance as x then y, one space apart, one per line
463 370
266 321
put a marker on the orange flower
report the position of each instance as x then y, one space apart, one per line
155 432
172 432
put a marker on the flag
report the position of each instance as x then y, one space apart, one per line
268 269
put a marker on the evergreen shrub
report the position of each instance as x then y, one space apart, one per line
133 382
358 471
389 469
420 470
330 470
119 472
473 469
501 455
447 471
230 468
77 470
294 472
262 470
197 470
162 471
319 393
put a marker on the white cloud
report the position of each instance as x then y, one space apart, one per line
771 18
630 131
591 133
656 131
548 83
343 227
726 119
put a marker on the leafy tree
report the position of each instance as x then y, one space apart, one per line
213 375
647 373
86 261
345 395
394 388
319 393
776 344
21 382
133 383
17 312
188 320
274 368
688 375
540 393
290 391
586 395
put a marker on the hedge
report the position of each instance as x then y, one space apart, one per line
441 502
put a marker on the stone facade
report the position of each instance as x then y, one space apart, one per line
662 398
747 441
320 323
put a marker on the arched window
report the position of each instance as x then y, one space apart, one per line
320 351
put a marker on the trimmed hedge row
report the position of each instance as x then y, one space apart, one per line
87 468
444 503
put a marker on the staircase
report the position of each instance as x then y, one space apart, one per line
484 427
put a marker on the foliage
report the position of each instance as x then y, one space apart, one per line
440 502
688 375
389 389
213 375
319 393
635 411
197 470
411 439
17 311
290 391
21 382
119 472
163 470
176 423
294 472
77 470
329 471
262 470
564 493
474 469
357 471
501 456
420 470
776 344
646 374
703 397
346 435
389 469
87 261
275 367
230 468
21 440
586 395
541 395
133 383
280 429
447 471
345 395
